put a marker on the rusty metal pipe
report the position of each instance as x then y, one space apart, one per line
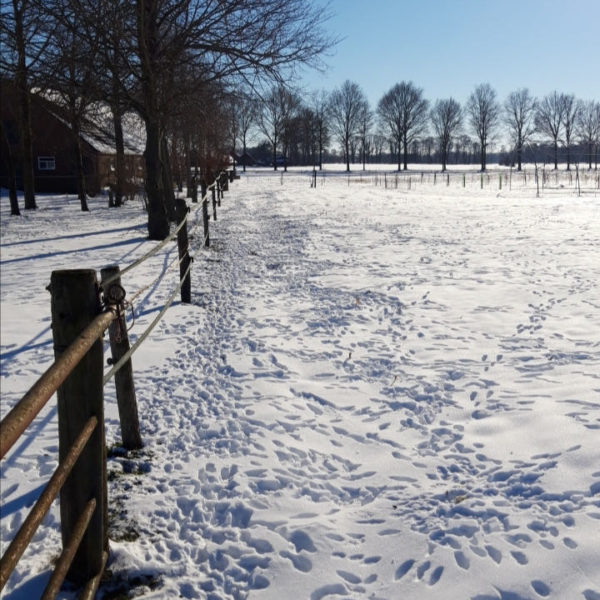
23 413
34 518
68 553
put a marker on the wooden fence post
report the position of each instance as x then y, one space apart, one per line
194 189
214 205
181 211
74 304
205 213
119 346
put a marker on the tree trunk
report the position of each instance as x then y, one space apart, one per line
78 161
158 222
555 154
244 152
320 149
12 175
405 152
147 34
347 148
25 115
483 157
519 157
120 150
167 176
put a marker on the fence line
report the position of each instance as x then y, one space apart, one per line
539 178
85 550
161 244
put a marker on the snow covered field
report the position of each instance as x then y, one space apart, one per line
376 393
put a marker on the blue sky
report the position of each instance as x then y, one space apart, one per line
447 47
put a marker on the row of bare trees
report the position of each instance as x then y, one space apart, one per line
181 65
403 118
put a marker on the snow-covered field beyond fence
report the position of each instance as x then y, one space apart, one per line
377 393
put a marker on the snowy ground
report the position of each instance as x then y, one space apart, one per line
376 393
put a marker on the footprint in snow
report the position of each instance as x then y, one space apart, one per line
540 588
520 557
422 569
328 590
494 554
404 568
436 575
462 560
302 541
301 563
349 577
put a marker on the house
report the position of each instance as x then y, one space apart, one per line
244 160
52 141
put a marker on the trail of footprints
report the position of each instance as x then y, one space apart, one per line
470 517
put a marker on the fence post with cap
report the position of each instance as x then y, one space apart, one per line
114 295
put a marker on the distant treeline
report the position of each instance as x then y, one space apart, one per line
425 153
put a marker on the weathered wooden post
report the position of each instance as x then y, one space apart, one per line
194 189
75 303
182 210
114 295
205 213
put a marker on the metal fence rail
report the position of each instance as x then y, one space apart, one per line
77 373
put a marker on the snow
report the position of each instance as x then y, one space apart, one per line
375 393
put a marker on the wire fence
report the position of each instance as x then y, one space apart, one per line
77 377
540 180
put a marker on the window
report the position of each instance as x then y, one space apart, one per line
46 163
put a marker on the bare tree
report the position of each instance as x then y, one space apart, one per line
549 119
113 75
571 110
69 76
484 113
404 112
246 116
24 35
366 122
277 110
222 40
519 112
320 108
588 128
346 105
12 176
446 117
